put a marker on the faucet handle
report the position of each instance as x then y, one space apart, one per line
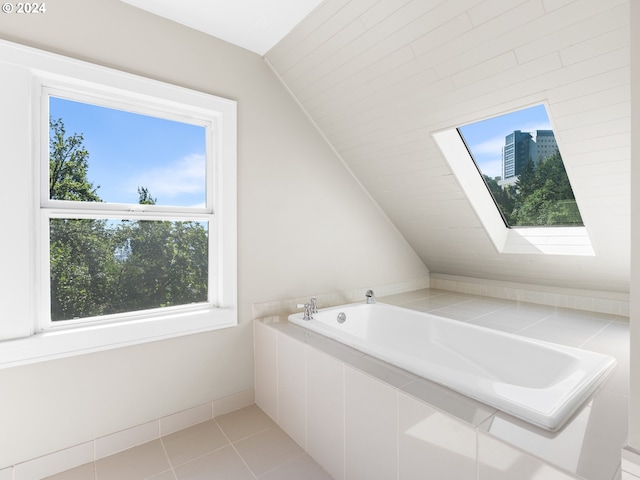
307 311
314 305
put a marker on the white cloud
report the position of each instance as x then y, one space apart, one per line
168 182
492 146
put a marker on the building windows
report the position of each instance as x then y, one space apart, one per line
129 196
512 171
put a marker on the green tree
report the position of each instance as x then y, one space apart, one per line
504 197
545 196
80 249
68 165
101 267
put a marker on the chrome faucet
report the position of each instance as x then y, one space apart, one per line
308 315
371 298
309 308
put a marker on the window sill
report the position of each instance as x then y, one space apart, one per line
65 342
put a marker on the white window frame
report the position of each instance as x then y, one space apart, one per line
520 240
28 335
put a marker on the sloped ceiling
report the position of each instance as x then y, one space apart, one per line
379 77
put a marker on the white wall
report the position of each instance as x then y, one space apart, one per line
634 401
305 227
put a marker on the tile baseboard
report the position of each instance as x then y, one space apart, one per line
97 448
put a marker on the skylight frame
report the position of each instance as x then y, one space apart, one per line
555 240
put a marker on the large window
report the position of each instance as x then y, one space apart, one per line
126 199
122 208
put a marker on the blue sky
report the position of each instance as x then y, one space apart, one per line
485 139
128 150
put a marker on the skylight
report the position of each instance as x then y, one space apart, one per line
492 181
521 165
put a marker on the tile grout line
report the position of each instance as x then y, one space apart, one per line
166 454
236 450
595 335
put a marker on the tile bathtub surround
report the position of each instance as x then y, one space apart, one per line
430 431
242 445
285 307
601 302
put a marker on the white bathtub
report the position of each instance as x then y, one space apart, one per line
540 382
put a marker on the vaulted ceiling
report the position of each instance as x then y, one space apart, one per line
380 77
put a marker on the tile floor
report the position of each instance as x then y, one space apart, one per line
241 445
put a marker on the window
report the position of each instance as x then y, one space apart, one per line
125 188
503 166
114 246
520 162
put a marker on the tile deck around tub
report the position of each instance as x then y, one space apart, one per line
241 445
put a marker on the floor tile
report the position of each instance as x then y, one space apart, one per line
303 467
244 423
223 464
267 450
83 472
168 475
194 442
138 463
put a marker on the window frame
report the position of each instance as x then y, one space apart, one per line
33 337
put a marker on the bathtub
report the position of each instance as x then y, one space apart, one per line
539 382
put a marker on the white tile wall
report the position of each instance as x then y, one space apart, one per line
325 411
54 463
499 461
119 441
371 423
630 464
614 303
431 441
266 371
292 405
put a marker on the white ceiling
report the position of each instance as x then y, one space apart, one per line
256 25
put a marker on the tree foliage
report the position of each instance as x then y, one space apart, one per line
103 267
542 196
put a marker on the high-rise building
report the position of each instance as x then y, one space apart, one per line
520 147
517 150
546 145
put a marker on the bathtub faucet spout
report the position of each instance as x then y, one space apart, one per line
371 298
